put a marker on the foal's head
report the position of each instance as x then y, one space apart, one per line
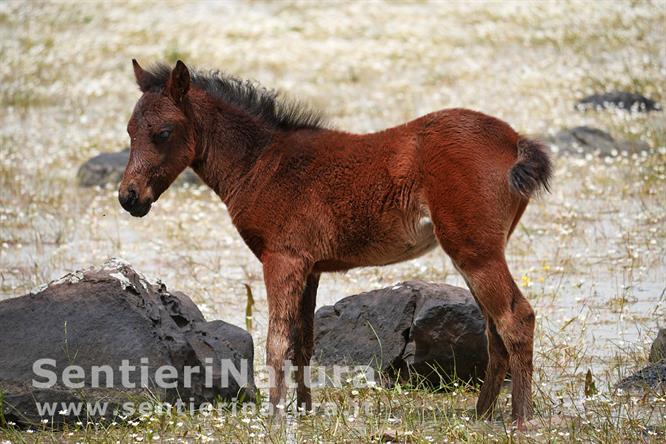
162 138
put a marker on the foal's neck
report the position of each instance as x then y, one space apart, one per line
229 141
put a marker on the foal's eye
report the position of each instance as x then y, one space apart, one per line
163 135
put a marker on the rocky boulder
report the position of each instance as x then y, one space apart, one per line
658 349
650 377
109 336
619 99
582 140
435 331
653 376
108 168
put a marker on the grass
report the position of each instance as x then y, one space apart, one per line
402 413
590 256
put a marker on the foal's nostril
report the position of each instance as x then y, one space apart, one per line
129 198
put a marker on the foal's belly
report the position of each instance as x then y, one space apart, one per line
412 246
402 242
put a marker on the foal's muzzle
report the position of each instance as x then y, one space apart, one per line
130 201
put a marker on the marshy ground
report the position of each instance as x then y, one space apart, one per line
590 256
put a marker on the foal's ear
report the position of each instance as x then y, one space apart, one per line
143 78
179 82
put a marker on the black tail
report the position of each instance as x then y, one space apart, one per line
533 169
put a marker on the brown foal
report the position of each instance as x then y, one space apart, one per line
307 199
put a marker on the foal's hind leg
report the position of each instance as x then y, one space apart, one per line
513 318
498 355
498 363
478 253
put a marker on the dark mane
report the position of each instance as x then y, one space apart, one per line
246 95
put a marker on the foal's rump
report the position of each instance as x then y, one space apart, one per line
478 169
470 143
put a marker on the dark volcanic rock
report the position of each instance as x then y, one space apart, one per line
651 377
654 375
413 326
370 328
658 349
619 99
104 317
213 340
582 140
448 330
108 168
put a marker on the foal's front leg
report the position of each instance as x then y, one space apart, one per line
305 343
284 277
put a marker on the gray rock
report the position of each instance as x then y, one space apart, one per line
370 328
448 331
108 168
411 328
214 340
651 377
619 99
582 140
658 349
101 317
